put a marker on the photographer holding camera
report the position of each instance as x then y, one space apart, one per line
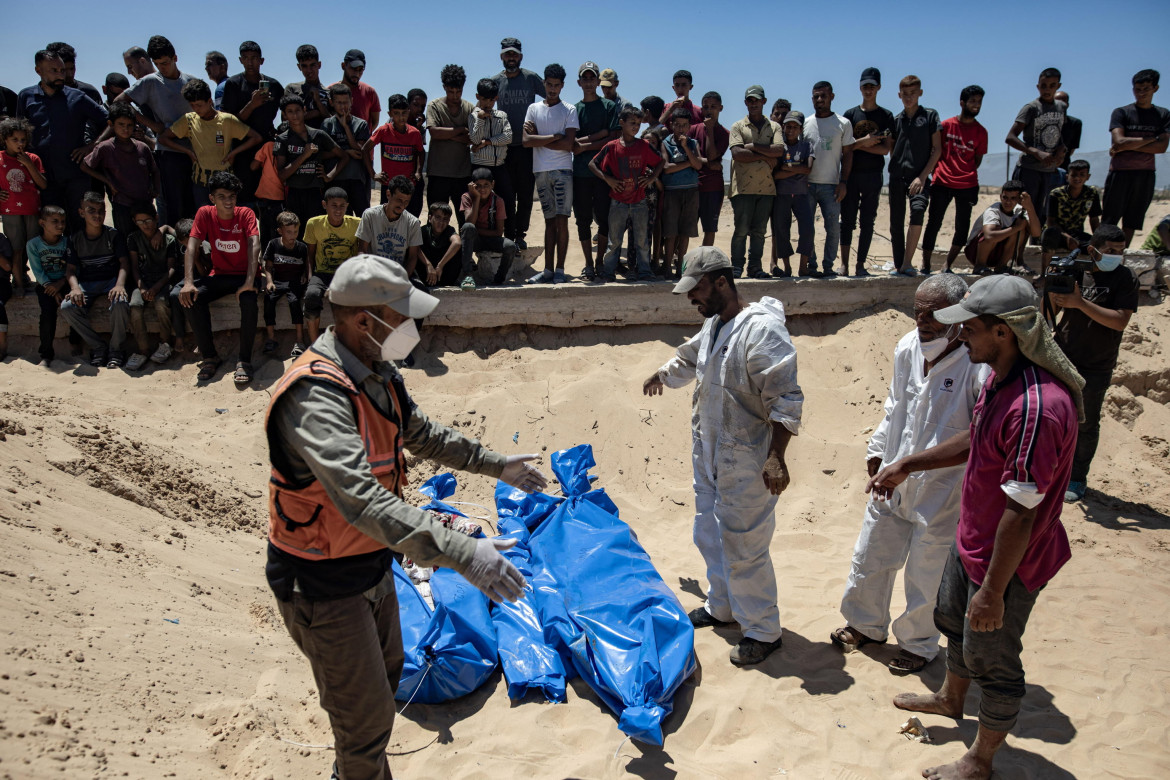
1095 313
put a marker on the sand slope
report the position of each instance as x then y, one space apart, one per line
129 501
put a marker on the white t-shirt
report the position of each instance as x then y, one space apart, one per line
386 238
549 120
828 136
995 215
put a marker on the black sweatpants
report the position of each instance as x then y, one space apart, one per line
212 288
940 198
523 180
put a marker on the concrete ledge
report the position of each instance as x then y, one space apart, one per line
580 305
572 305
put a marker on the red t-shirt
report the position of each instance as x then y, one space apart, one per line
398 149
628 163
23 196
229 240
483 218
696 113
711 181
960 145
1023 433
365 98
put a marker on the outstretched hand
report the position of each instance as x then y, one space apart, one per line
519 474
653 385
494 574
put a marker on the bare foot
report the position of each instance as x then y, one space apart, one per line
933 703
968 767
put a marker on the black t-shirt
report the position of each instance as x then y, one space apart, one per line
288 265
1070 134
298 88
237 93
434 247
912 142
864 162
290 146
1088 344
7 102
98 260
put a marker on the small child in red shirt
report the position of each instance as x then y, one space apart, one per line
22 177
629 166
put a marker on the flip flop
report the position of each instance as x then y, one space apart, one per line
906 663
851 640
243 375
207 370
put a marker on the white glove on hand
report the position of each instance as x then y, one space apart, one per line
493 573
518 473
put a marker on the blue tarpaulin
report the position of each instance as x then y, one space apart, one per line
601 604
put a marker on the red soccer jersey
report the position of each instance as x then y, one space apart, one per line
1023 436
228 239
961 144
23 196
628 163
398 149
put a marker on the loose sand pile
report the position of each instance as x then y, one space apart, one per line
140 638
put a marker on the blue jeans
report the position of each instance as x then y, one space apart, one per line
638 215
752 213
825 196
784 208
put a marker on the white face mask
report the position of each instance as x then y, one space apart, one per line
399 343
932 350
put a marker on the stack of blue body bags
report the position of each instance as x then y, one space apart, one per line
595 606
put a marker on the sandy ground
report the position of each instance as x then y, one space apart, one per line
140 640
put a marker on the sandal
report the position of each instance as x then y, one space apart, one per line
207 370
243 375
851 640
906 663
269 347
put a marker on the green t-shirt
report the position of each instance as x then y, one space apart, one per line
1153 241
594 116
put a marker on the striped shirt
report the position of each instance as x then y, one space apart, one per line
497 130
1023 436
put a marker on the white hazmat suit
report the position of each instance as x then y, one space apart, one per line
746 380
916 526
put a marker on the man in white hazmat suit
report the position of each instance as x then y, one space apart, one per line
932 395
746 407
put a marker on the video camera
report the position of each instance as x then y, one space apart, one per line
1064 273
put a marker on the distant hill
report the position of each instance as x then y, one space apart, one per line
991 172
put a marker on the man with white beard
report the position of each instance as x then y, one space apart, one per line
932 395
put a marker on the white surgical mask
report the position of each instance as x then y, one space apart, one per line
1109 262
932 350
399 343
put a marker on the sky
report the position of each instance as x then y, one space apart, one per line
784 47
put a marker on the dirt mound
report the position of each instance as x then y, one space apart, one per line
142 473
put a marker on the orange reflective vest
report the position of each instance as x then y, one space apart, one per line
302 520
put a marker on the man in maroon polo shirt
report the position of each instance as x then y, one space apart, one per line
1010 541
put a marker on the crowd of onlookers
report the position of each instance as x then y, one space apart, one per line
240 185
